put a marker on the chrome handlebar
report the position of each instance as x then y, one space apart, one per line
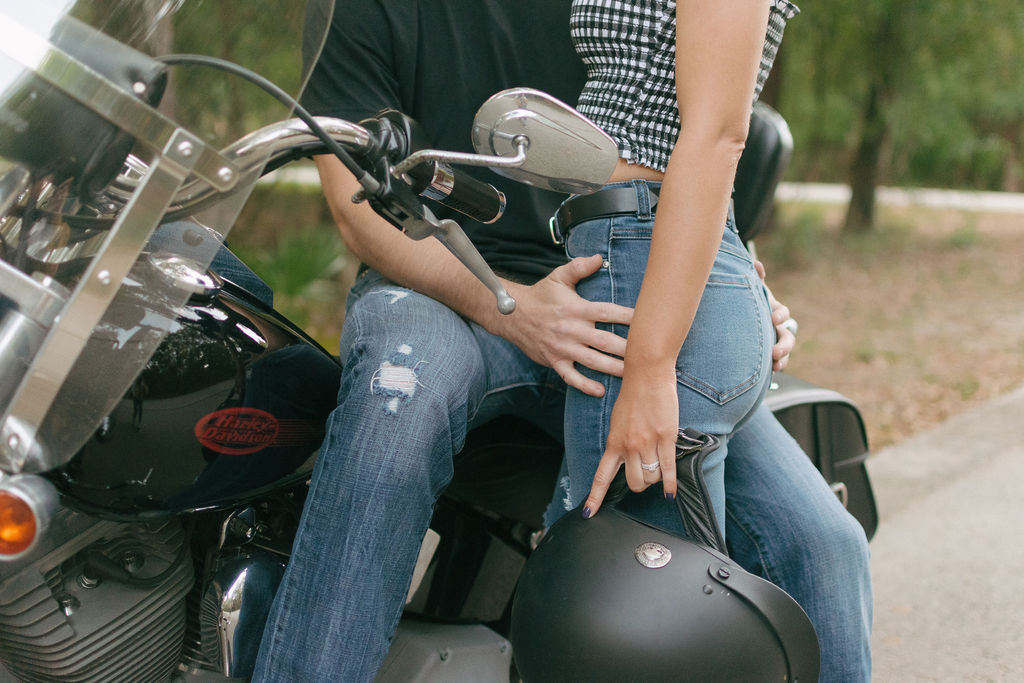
263 147
250 154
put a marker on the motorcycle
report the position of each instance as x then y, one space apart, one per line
161 419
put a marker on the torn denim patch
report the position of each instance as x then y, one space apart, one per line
396 378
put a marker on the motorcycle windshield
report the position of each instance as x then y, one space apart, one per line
120 176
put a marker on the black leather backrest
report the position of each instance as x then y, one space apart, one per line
769 148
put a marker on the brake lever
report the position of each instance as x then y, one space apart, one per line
399 205
390 137
452 236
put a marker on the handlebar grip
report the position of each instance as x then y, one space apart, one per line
458 190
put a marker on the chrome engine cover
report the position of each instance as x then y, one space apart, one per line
234 610
98 600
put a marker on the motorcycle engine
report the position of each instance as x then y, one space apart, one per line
105 601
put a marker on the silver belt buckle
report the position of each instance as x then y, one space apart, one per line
556 235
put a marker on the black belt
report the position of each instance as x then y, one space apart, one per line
613 201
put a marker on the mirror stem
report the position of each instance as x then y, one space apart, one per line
428 155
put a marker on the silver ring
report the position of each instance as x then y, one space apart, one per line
791 325
650 466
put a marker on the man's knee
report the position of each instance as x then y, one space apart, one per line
847 537
384 311
411 369
405 334
832 540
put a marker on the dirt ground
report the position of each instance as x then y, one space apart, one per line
916 322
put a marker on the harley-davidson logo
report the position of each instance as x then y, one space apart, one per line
652 555
237 431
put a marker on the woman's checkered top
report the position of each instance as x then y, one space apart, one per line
629 49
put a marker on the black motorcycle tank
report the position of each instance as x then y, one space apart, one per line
233 403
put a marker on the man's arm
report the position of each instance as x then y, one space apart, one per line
552 324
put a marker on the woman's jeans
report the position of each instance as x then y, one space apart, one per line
416 377
723 369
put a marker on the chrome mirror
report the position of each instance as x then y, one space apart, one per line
565 151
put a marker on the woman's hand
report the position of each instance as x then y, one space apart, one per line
642 437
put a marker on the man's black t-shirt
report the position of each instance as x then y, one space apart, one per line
437 60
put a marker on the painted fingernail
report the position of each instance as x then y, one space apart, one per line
670 496
587 512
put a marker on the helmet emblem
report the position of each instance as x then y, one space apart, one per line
652 555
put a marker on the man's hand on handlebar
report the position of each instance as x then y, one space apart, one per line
556 327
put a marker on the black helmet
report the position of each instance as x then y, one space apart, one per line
613 599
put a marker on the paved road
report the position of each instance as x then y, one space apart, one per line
962 200
948 558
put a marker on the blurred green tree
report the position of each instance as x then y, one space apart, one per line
261 35
963 124
905 92
927 92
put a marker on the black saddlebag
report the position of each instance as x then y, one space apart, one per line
829 428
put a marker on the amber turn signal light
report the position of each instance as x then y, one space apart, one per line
27 505
18 525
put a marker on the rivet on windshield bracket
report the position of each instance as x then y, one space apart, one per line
139 88
185 148
104 277
226 174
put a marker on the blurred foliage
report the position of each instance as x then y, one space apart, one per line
949 82
948 76
308 267
276 208
297 261
260 35
796 238
286 235
895 92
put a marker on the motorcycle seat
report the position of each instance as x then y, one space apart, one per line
508 467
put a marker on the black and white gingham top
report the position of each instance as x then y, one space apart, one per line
629 49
